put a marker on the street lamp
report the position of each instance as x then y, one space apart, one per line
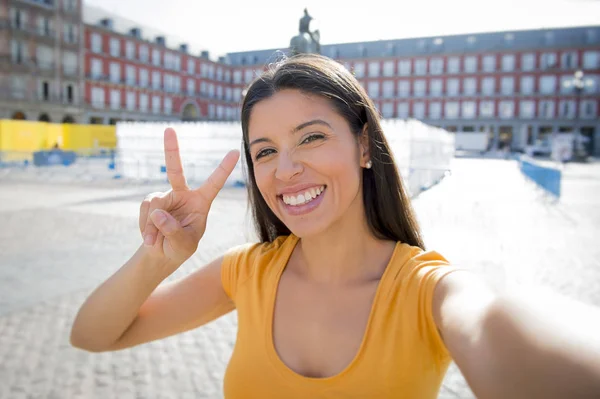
578 82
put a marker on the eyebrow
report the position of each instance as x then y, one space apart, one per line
294 130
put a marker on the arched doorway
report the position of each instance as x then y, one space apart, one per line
68 119
191 112
44 118
19 115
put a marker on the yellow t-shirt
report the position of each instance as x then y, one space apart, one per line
401 356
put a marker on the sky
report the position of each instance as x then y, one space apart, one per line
223 26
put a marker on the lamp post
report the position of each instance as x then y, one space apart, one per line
578 82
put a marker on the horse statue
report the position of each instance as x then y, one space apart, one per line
306 41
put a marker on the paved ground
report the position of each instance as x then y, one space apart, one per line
59 240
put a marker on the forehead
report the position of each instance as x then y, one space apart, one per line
287 109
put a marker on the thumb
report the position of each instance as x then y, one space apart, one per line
166 224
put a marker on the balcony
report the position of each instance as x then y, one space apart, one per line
70 71
48 5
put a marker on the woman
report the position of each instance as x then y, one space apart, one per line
340 297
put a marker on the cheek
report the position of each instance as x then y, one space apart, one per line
262 175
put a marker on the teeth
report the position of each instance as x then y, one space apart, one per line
303 198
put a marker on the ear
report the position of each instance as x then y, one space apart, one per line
363 146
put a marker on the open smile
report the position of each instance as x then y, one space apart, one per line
302 203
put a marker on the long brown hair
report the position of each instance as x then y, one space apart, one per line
387 206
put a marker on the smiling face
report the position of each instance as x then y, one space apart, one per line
307 162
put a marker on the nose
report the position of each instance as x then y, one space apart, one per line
287 167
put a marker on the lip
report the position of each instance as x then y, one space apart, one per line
296 210
298 189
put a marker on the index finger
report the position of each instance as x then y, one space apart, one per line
173 161
218 177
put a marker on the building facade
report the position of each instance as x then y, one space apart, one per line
40 74
92 67
517 86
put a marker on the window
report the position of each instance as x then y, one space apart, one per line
143 53
177 63
18 18
403 88
402 110
404 68
96 40
591 59
435 110
130 100
156 80
566 109
69 63
70 5
527 84
155 104
45 57
388 68
144 102
451 110
115 99
489 63
96 68
374 68
191 67
130 50
468 109
177 84
45 26
569 60
388 89
548 60
470 86
486 109
168 105
219 92
420 67
211 111
453 65
435 88
130 75
115 47
45 91
191 87
211 71
547 84
508 63
546 109
452 87
143 78
373 89
359 69
69 33
237 77
228 94
156 57
526 109
471 64
211 90
436 66
488 86
248 76
237 94
507 109
419 110
589 109
528 62
228 76
387 110
204 90
69 94
419 88
507 85
219 74
592 84
97 97
115 72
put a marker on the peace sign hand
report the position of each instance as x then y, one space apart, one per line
172 223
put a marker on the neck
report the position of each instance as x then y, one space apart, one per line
346 253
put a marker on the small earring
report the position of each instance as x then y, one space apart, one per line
369 164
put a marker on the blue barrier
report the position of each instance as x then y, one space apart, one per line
46 158
546 178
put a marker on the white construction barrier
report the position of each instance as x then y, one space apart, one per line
423 152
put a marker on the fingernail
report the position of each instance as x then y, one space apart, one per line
148 240
158 217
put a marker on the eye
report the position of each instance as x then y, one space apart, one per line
312 137
264 153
